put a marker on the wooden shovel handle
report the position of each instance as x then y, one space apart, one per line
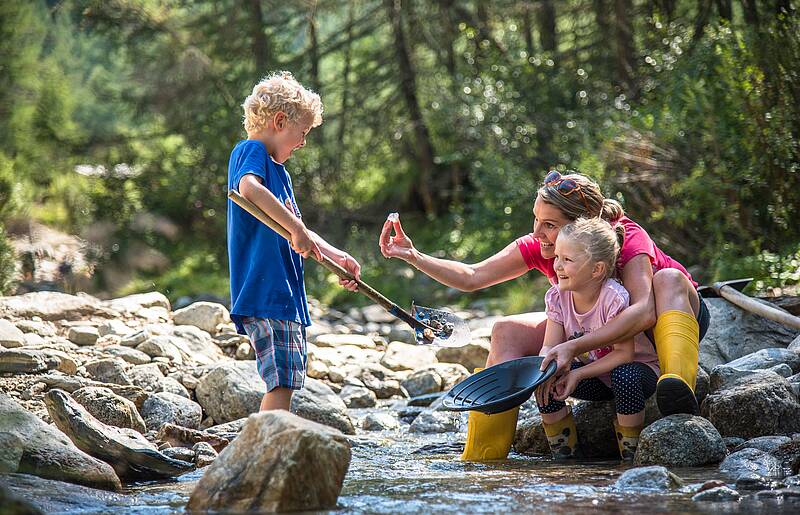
334 267
748 304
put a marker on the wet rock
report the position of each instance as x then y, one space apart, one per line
110 370
752 481
471 356
737 333
594 422
431 421
36 495
10 336
178 436
733 442
530 437
204 315
653 478
680 441
23 361
204 454
317 402
764 443
409 413
11 449
702 386
793 481
754 406
358 397
132 356
751 461
337 340
132 456
422 382
717 494
110 408
49 453
782 493
83 335
307 463
381 421
788 453
179 453
403 356
168 408
50 305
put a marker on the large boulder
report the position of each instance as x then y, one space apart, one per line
530 437
279 462
205 315
49 453
133 457
767 358
760 405
751 461
680 441
231 391
724 376
110 408
735 333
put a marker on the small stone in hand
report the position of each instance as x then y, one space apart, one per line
393 217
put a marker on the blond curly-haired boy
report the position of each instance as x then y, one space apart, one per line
268 297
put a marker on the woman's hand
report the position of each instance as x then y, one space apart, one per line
562 354
566 384
399 245
350 264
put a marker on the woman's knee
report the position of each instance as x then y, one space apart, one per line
670 281
515 332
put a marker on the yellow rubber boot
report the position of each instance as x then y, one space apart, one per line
677 336
562 437
627 440
489 437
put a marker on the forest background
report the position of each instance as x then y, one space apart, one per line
117 119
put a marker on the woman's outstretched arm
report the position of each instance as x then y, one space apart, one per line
503 266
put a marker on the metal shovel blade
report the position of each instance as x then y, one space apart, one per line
450 330
713 291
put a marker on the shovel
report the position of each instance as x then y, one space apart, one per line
431 326
500 387
732 292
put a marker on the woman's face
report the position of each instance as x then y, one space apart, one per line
547 221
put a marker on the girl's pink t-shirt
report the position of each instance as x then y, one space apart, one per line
612 300
637 241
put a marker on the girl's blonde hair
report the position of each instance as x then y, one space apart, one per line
280 92
601 240
573 206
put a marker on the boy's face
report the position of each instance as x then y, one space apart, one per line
289 136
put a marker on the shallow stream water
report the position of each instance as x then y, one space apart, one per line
397 472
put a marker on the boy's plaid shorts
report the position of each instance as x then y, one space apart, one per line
280 347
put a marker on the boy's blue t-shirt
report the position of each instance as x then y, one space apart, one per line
266 274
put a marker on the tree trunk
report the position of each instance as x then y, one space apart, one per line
449 34
625 53
343 113
408 88
547 26
527 28
750 8
313 51
725 9
259 37
703 12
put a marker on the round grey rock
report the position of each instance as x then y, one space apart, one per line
163 408
718 494
655 478
751 461
358 397
109 408
680 441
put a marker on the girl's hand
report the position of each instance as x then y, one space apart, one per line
399 245
544 392
350 264
565 385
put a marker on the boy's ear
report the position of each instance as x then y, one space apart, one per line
279 120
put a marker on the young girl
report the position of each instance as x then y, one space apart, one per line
585 299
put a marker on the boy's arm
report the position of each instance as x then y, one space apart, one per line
302 241
341 257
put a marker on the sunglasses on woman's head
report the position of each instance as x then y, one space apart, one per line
565 187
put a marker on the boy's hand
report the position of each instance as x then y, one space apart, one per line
399 245
565 385
304 244
350 264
